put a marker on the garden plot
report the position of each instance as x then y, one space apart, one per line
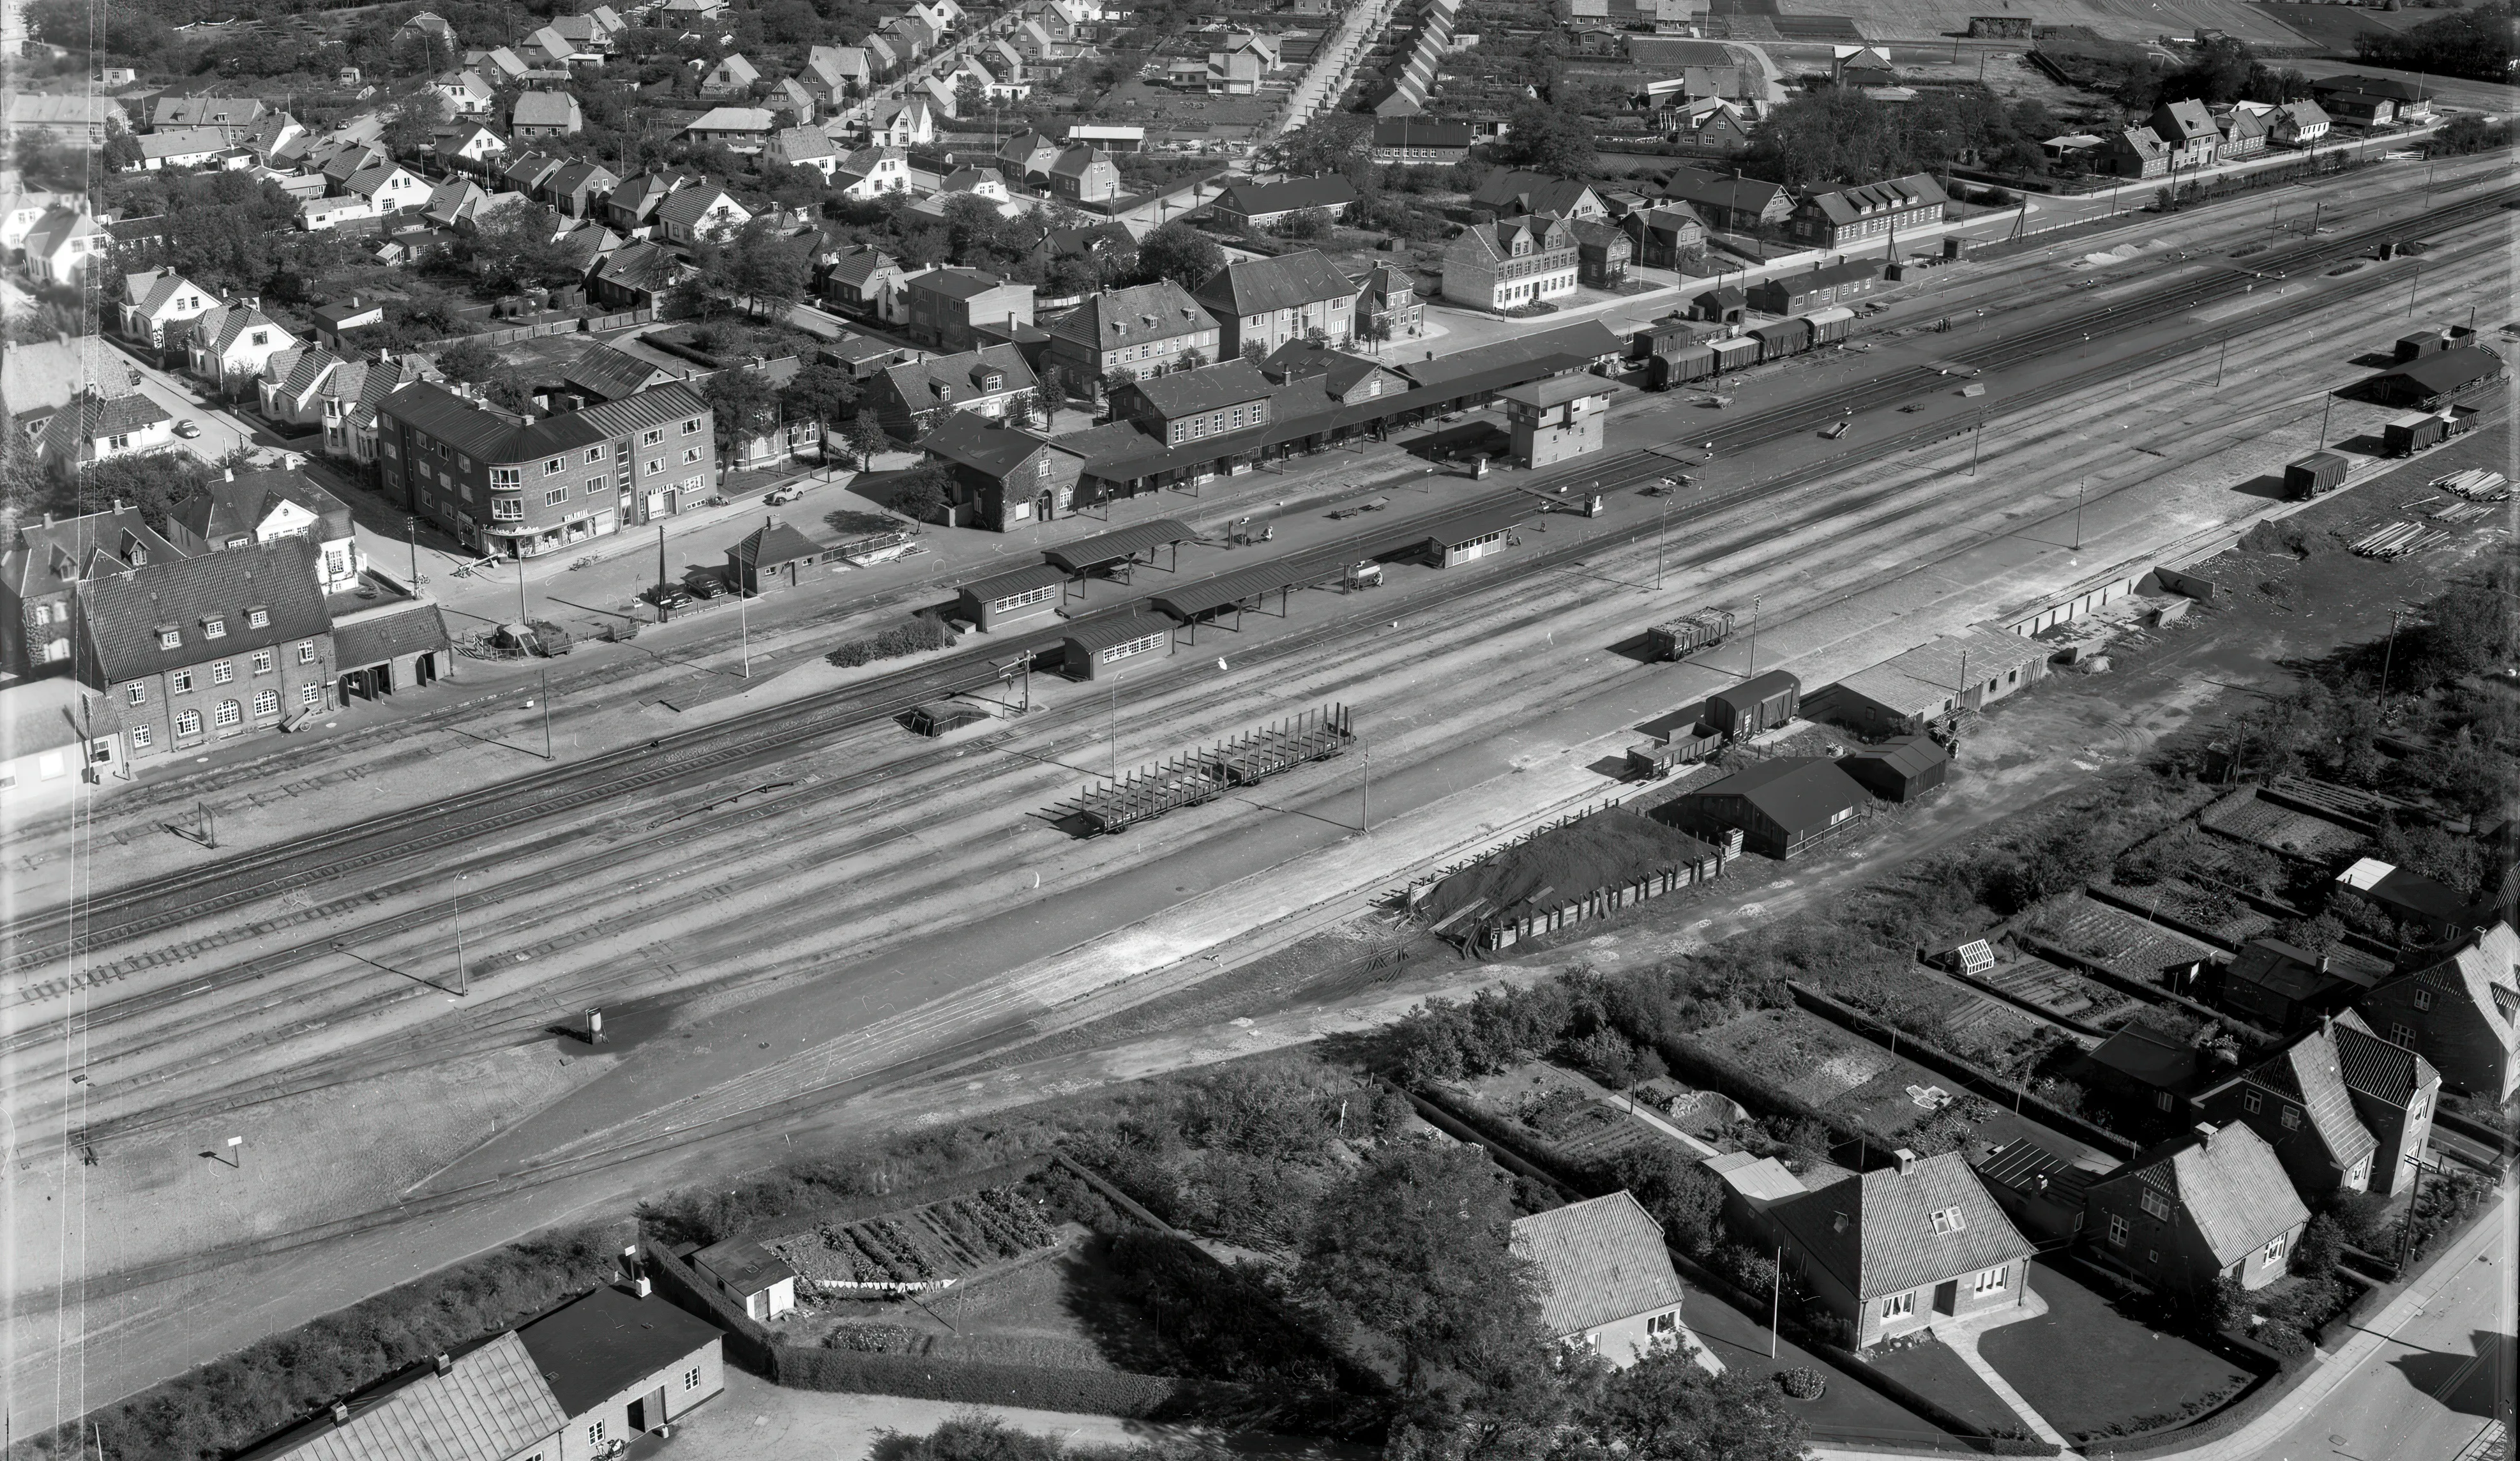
2128 942
2218 912
933 1247
2253 818
1845 1076
2061 991
1559 1111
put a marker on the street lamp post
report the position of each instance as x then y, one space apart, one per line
2078 489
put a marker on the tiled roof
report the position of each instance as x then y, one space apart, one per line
860 264
2154 1057
494 439
40 551
1746 195
2189 121
1600 1262
1189 392
774 543
734 119
979 443
2230 1183
238 504
611 374
1797 792
1530 193
642 265
2308 1072
492 1403
377 635
1846 205
1262 286
957 283
2377 1068
688 206
918 380
125 614
1877 1231
90 417
1114 318
1077 160
1413 131
1292 195
2483 975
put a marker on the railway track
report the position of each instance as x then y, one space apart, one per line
686 759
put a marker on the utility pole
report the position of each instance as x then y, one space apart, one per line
660 573
411 525
1776 1303
2078 489
1115 729
463 981
2328 404
1755 600
2412 281
1365 790
2217 362
1668 488
1976 434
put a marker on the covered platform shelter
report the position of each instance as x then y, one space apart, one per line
1119 553
1249 589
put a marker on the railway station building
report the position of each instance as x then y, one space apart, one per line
1100 647
1014 597
1934 682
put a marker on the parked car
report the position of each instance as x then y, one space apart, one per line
708 586
784 495
188 428
670 597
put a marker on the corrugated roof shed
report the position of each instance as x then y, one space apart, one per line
491 1405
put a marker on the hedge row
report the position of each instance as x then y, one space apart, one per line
970 1381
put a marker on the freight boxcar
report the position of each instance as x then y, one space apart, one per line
1785 336
2317 473
2412 433
1829 326
1737 353
1681 366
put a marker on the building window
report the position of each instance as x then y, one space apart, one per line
555 496
2400 1035
214 627
2424 999
257 619
692 428
504 477
182 681
2157 1206
657 465
650 438
1947 1220
2291 1119
2251 1102
310 695
594 1434
2161 1101
555 467
2117 1230
222 672
1668 1323
306 653
690 454
141 736
168 639
262 662
229 713
507 510
2275 1250
692 1378
594 454
137 694
266 703
1899 1306
1993 1280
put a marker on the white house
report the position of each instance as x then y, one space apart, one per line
231 344
736 128
464 92
155 301
63 242
183 147
803 147
317 214
695 215
470 142
390 189
870 171
907 123
95 427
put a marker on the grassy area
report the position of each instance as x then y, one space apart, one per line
2088 1368
1932 1370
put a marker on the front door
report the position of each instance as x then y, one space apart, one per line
647 1412
1042 506
1946 1298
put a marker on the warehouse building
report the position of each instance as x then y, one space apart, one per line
1823 286
1932 683
1899 769
1779 807
2436 381
1758 704
1093 649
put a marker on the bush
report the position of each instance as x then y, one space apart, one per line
1802 1383
916 637
1224 1322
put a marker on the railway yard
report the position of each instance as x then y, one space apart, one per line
798 918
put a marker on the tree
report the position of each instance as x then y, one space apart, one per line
511 246
1179 252
1666 1408
1681 1195
1546 138
818 392
1416 1251
2218 72
745 403
760 266
970 100
467 360
2476 42
866 439
1306 223
923 493
121 149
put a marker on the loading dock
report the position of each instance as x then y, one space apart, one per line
1092 648
1011 597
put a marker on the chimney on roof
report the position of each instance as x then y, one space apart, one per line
446 1364
1837 1223
2205 1130
2039 1182
1906 1161
340 1413
229 474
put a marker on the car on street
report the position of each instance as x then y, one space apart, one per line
783 495
708 585
188 428
670 597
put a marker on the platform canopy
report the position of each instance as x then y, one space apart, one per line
1123 545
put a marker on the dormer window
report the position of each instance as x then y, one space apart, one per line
138 557
214 627
257 619
1947 1220
171 639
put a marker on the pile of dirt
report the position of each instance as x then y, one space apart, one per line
1606 850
